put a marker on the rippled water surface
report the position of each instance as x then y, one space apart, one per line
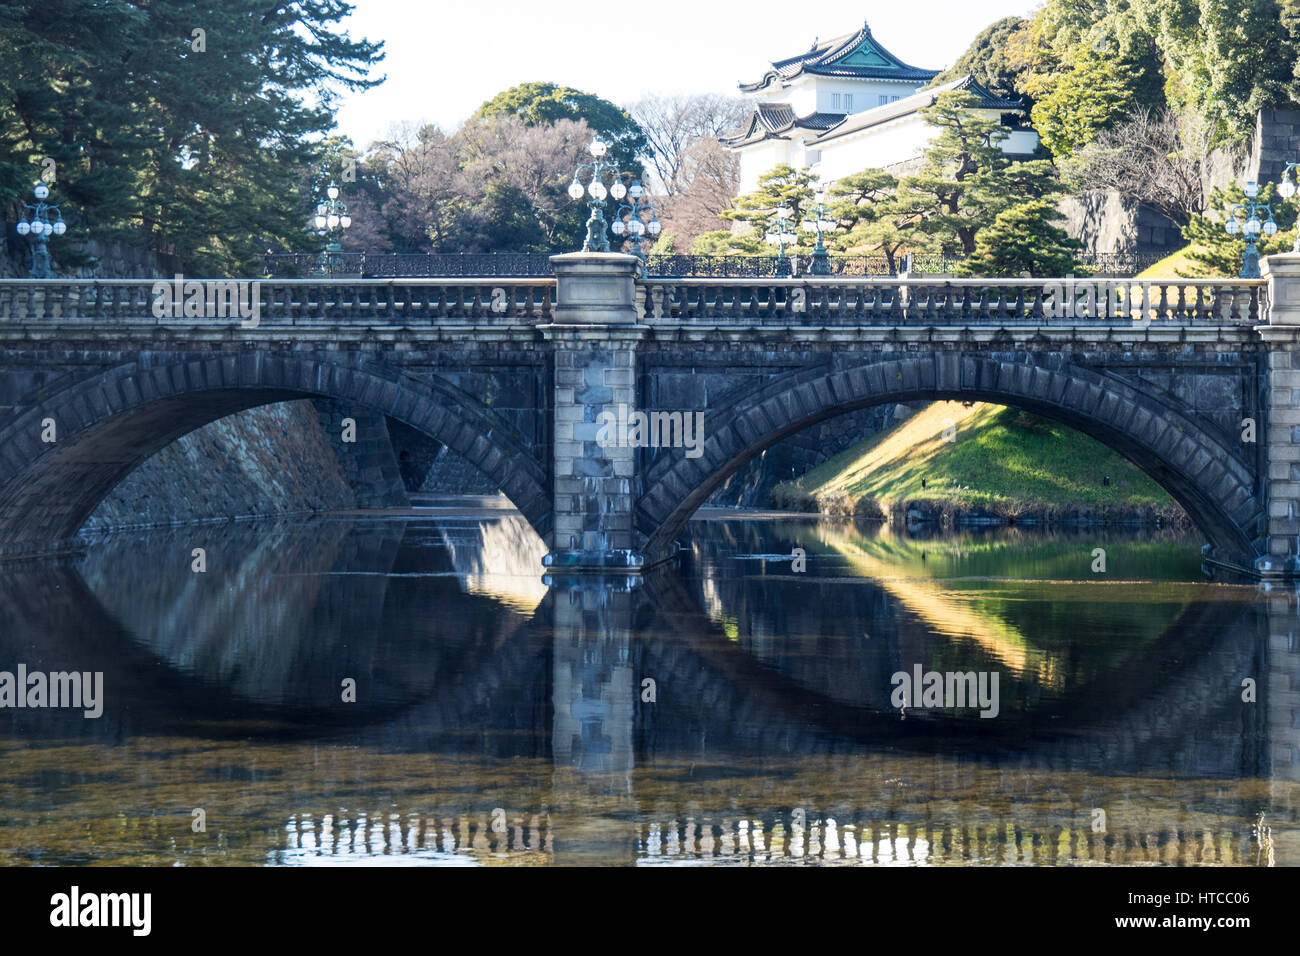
735 709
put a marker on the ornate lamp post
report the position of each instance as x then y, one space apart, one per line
634 227
820 222
1286 189
41 228
1250 228
597 240
781 234
330 220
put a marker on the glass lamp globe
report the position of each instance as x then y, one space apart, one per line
618 228
38 228
636 190
41 191
575 189
636 227
597 190
1286 189
597 148
808 225
1270 228
784 212
23 227
1252 226
618 190
654 227
319 222
332 221
332 192
345 221
61 227
1252 190
1232 227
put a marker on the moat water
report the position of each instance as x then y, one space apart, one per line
415 691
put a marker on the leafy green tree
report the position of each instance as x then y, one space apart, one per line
1091 96
543 104
1086 64
990 59
1023 240
1227 59
1220 59
1213 252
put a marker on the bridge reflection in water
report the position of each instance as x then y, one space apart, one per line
504 719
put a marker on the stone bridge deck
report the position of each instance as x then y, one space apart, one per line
1190 378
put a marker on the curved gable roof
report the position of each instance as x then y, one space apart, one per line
773 119
918 101
853 55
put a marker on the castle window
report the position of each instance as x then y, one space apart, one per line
835 101
848 102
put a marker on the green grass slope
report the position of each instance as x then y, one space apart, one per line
999 462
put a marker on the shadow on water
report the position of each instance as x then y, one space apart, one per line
734 709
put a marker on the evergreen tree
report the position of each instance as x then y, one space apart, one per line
179 126
783 184
546 104
1023 240
869 219
1212 252
967 179
990 59
543 104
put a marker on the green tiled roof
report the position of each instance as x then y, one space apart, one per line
854 55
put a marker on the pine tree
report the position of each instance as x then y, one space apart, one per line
1023 239
178 126
1213 252
781 185
967 179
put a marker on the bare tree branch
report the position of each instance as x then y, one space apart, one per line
1155 158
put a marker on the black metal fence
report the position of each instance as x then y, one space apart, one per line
368 265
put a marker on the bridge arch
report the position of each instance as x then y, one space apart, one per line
1217 489
110 422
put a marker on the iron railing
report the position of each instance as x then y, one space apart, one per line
366 265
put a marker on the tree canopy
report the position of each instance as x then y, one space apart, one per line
540 104
991 59
188 129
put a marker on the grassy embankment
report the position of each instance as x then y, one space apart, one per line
1003 463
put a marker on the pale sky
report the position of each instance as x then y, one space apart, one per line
445 58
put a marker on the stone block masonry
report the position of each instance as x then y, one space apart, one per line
367 462
594 340
274 459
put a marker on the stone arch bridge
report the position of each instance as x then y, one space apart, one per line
537 382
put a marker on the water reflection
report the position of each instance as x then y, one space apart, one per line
732 710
